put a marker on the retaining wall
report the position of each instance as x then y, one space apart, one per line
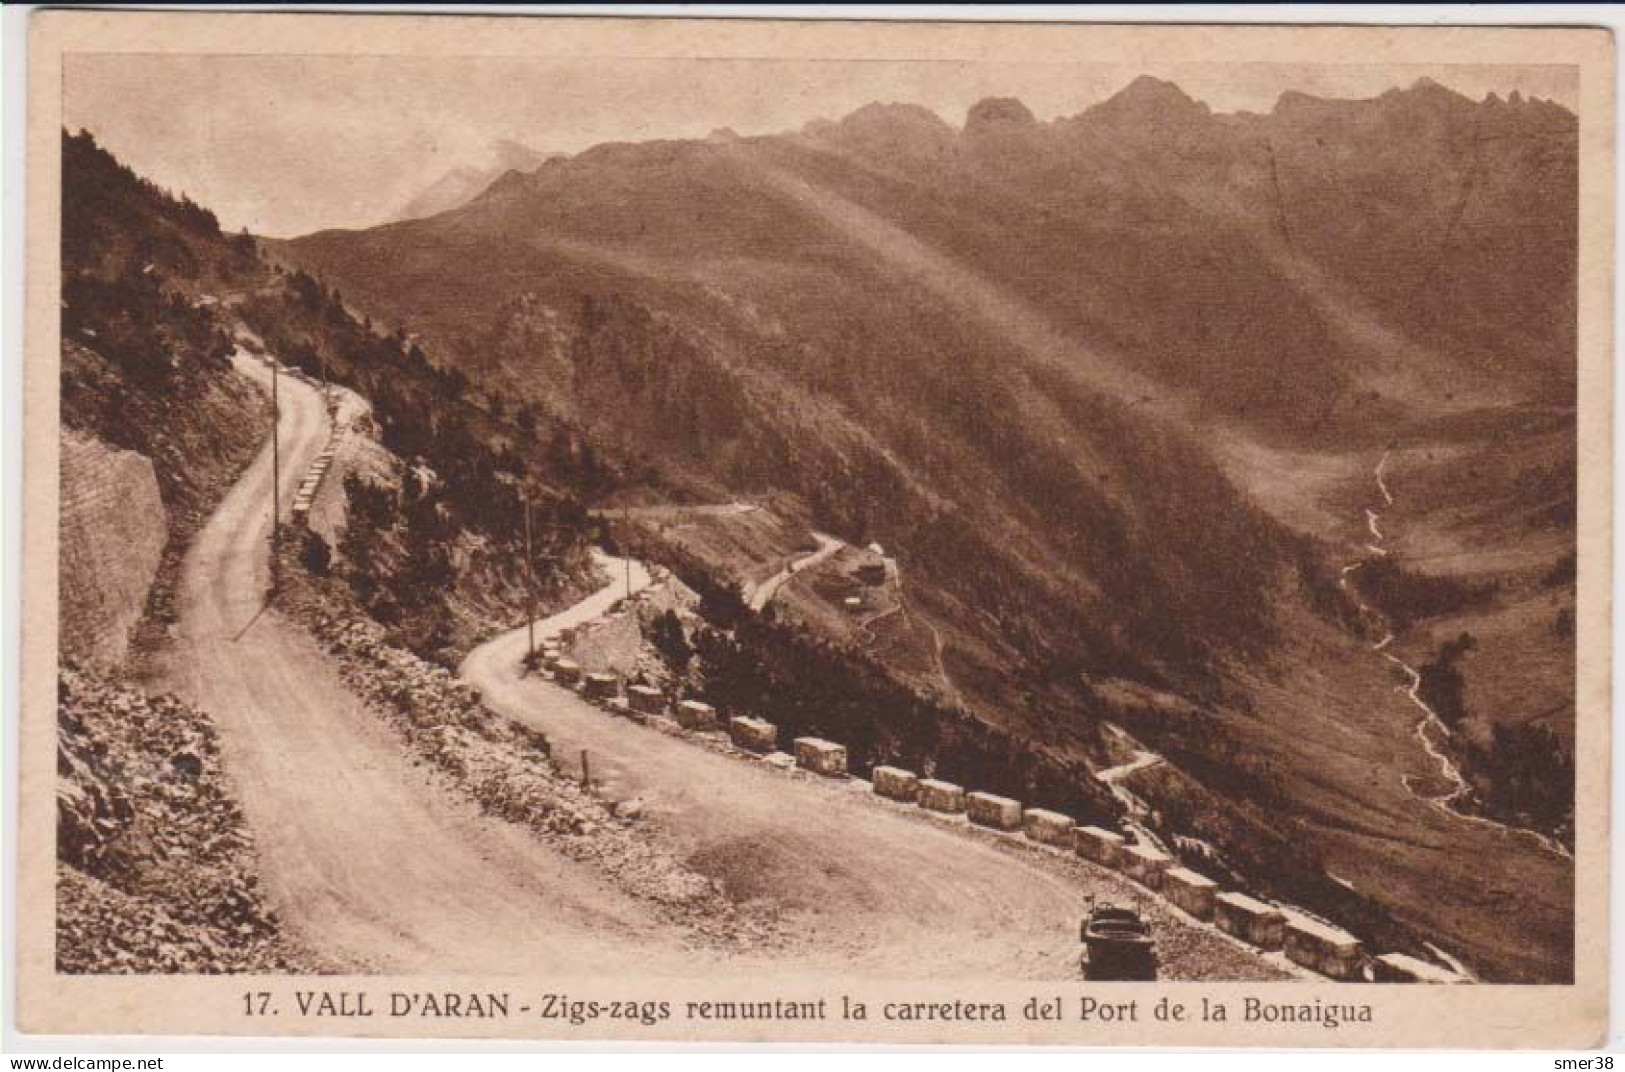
1192 892
1251 920
1049 827
111 536
896 783
821 756
986 809
941 796
1321 947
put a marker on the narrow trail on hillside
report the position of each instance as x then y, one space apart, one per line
1430 729
760 596
1140 762
938 645
1136 812
938 655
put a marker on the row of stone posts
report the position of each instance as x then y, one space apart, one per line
1306 941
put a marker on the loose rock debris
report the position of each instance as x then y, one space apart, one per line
155 864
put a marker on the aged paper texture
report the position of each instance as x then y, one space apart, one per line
642 529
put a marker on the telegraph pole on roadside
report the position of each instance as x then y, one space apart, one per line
530 589
276 471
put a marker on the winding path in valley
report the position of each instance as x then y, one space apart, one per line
1429 726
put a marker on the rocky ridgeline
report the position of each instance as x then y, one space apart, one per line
507 770
156 866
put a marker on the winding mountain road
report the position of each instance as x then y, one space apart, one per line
1140 762
375 865
871 888
727 509
763 594
372 864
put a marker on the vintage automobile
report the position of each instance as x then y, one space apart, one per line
1117 944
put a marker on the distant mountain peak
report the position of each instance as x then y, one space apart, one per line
1149 100
1428 85
1147 89
894 114
889 128
998 113
465 182
1423 97
1295 98
511 155
1426 91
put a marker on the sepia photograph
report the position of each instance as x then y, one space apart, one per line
580 529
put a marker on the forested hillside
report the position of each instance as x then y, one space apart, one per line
155 300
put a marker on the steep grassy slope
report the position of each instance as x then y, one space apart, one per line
876 398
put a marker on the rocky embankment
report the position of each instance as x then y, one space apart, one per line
156 866
508 770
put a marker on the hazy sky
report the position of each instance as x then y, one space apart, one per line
290 144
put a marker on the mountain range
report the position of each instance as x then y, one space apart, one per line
1113 388
464 183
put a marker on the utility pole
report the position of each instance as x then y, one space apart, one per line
276 470
530 588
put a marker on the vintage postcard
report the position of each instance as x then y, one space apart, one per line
750 530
